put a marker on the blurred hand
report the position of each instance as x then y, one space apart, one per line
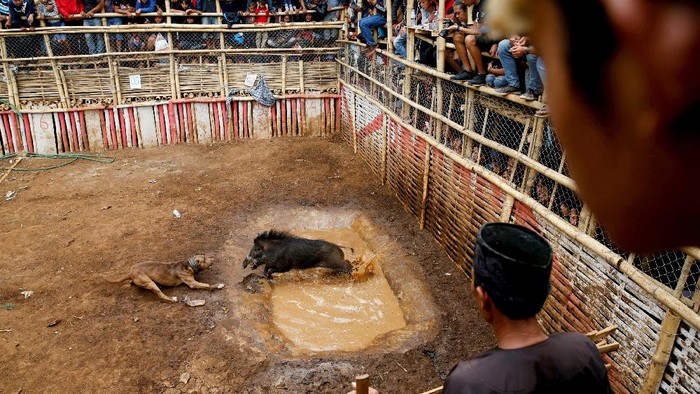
518 51
494 50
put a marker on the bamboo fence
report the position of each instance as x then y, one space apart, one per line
457 157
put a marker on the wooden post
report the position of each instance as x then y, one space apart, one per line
389 27
426 179
384 147
362 384
9 76
507 208
173 67
441 41
352 122
223 72
469 117
410 56
535 149
54 68
301 77
284 75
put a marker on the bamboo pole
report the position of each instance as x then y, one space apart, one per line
223 74
535 149
353 123
284 74
389 27
56 75
9 76
654 289
385 146
11 168
469 116
441 41
362 384
426 179
301 76
659 361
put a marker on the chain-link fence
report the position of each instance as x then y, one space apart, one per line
502 136
81 66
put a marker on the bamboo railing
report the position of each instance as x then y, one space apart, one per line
440 151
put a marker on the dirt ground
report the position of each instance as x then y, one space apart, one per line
66 227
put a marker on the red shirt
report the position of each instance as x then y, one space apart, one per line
69 7
262 18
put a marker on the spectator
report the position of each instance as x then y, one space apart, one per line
143 7
4 11
282 38
112 6
262 17
70 10
510 281
474 40
457 30
319 7
208 6
22 15
231 10
495 76
95 41
47 11
377 18
270 5
330 35
534 83
511 51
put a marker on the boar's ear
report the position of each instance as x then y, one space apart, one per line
260 244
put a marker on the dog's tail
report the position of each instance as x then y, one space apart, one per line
120 280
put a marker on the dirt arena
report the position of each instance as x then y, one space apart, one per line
77 333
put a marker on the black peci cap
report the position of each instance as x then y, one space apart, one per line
513 264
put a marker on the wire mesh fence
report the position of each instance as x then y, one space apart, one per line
504 137
78 66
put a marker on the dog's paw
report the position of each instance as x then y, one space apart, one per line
219 285
174 299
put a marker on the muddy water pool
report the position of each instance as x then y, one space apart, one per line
321 312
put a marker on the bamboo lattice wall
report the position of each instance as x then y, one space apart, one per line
459 157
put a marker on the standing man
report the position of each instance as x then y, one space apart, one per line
510 281
95 41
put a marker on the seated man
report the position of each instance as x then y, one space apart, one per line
472 39
377 18
510 280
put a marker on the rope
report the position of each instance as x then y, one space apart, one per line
72 158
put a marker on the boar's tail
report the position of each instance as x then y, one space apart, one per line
347 247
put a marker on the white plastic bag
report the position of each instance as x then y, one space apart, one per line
161 43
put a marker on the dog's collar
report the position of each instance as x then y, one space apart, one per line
193 264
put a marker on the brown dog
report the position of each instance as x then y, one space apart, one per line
150 274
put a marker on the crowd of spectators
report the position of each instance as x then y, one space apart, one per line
29 14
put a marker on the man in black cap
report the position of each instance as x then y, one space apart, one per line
511 270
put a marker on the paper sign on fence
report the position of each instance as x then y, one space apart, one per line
135 81
250 80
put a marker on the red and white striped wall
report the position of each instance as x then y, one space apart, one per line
177 121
